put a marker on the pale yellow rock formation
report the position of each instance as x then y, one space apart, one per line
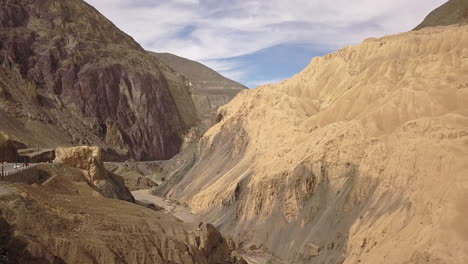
362 157
86 158
90 161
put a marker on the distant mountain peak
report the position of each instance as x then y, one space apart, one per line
199 73
210 90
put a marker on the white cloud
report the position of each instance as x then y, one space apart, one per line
228 28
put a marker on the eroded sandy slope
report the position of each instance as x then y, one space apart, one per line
360 157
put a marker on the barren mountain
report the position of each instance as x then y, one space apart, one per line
69 76
210 90
361 157
453 12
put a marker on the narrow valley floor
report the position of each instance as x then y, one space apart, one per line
183 213
171 207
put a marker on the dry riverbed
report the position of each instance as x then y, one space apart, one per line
170 207
183 213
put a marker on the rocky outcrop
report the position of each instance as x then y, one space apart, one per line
360 158
452 12
70 77
89 159
63 220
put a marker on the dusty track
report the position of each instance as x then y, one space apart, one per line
169 207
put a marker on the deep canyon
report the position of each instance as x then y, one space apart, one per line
359 158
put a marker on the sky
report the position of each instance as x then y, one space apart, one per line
258 42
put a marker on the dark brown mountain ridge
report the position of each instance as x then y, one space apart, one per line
68 76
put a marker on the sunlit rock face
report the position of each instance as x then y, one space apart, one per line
361 157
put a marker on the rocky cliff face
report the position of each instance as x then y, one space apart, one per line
69 76
359 158
209 89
